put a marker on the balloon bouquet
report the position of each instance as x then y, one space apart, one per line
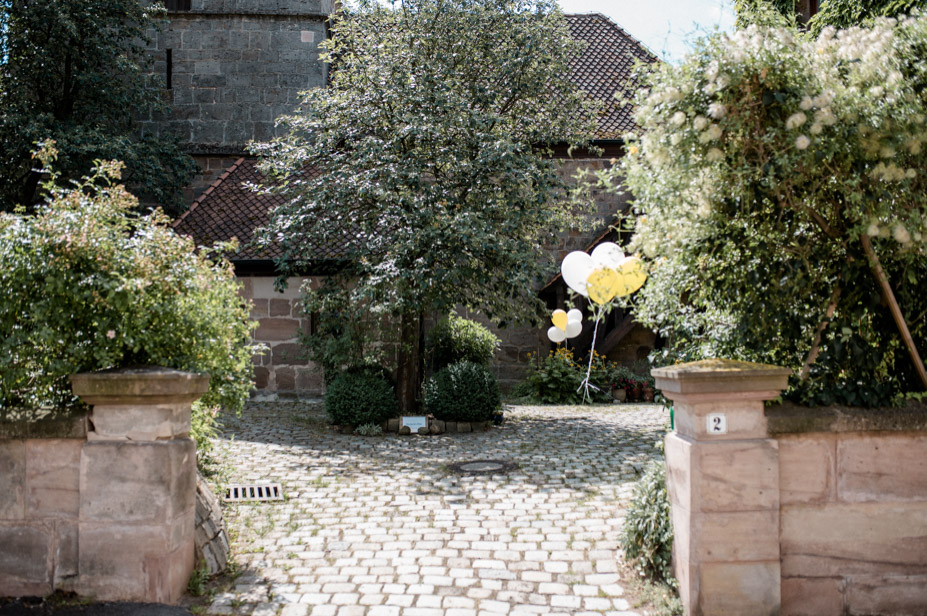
601 277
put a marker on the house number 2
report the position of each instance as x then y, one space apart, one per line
717 423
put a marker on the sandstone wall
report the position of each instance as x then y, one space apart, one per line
853 522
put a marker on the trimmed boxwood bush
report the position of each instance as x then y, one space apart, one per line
360 396
456 339
463 391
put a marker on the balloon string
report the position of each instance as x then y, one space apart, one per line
585 383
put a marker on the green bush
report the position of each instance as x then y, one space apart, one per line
456 339
464 391
557 378
647 534
358 397
87 285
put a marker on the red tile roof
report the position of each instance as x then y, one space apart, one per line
228 208
605 68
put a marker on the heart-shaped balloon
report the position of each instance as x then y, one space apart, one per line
576 268
631 276
607 254
556 334
559 319
603 285
574 328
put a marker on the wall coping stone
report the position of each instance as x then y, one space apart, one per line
146 385
720 376
790 418
44 423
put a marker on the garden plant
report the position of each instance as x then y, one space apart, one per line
89 284
781 196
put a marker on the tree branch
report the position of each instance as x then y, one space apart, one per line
889 297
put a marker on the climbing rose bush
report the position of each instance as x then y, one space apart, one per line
772 174
87 284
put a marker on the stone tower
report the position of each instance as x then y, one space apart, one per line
229 68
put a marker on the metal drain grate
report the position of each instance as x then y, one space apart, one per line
254 492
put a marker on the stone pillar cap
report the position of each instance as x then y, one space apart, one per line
720 375
150 385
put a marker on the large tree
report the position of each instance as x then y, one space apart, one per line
834 13
431 168
782 190
77 73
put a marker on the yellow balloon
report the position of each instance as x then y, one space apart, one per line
631 276
559 319
603 284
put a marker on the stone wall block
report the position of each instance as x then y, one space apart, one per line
12 479
900 595
289 354
745 419
115 559
67 553
807 469
280 308
264 287
53 478
735 536
141 422
840 539
678 456
276 329
285 378
142 482
882 468
736 476
25 564
739 589
812 596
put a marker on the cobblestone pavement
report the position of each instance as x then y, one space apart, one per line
381 526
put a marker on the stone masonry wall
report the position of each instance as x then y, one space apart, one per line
283 368
853 523
236 65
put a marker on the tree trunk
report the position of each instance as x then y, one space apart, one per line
408 373
889 297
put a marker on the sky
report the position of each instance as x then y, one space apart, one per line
667 27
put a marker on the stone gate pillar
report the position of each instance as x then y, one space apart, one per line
137 484
723 478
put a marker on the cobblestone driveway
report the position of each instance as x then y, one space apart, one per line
380 526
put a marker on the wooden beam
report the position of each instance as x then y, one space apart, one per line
616 335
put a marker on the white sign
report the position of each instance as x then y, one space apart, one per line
414 422
716 423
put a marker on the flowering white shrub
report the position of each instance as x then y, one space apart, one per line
772 174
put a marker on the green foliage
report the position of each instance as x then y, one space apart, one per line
89 285
203 427
463 391
764 163
456 339
432 140
557 378
848 13
345 335
358 397
647 534
369 429
77 73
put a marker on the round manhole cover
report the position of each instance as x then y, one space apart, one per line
482 467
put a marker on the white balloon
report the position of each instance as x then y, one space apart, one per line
607 254
574 328
556 334
576 268
575 315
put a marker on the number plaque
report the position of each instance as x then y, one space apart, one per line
716 423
